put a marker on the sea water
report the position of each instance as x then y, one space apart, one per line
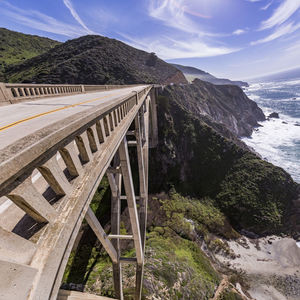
278 140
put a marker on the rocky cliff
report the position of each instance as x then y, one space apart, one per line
95 60
224 104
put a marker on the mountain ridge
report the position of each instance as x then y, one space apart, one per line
191 73
95 59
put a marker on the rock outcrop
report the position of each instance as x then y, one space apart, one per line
224 104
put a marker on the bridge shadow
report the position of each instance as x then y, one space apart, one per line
82 262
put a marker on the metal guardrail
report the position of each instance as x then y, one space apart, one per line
16 92
87 143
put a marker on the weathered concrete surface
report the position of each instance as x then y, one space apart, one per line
16 280
72 295
15 248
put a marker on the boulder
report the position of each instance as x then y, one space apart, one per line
274 115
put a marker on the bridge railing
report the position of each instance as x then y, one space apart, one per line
15 92
71 156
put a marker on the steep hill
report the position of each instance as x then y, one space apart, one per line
191 73
95 60
16 47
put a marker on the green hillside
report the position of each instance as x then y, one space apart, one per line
95 59
16 47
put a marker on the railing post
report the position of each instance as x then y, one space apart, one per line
5 95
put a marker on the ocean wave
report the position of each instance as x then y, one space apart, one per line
276 141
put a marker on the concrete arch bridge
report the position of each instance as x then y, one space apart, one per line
56 144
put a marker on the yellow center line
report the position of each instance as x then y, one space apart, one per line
55 110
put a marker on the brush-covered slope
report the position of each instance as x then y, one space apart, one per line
95 60
16 47
191 73
200 162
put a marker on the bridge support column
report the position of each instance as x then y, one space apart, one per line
115 182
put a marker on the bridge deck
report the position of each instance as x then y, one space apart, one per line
20 120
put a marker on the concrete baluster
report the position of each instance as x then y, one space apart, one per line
106 125
26 196
100 131
16 91
71 159
85 152
93 138
55 177
114 113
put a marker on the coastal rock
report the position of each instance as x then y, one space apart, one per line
274 115
224 104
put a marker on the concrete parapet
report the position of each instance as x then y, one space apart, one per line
11 93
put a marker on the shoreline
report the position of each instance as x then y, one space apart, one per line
271 266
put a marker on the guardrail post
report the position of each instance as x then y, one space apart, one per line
5 95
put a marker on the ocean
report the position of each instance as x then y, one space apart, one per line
278 140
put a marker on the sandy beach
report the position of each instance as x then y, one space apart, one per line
271 266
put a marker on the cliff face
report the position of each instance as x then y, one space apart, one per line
199 161
95 60
224 104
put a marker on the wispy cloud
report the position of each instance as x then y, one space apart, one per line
37 20
239 32
169 48
279 32
190 40
267 6
294 47
283 12
172 14
75 15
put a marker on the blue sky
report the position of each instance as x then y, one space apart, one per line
237 39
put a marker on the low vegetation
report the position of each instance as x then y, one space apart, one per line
17 47
95 60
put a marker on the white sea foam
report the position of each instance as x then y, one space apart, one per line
278 140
